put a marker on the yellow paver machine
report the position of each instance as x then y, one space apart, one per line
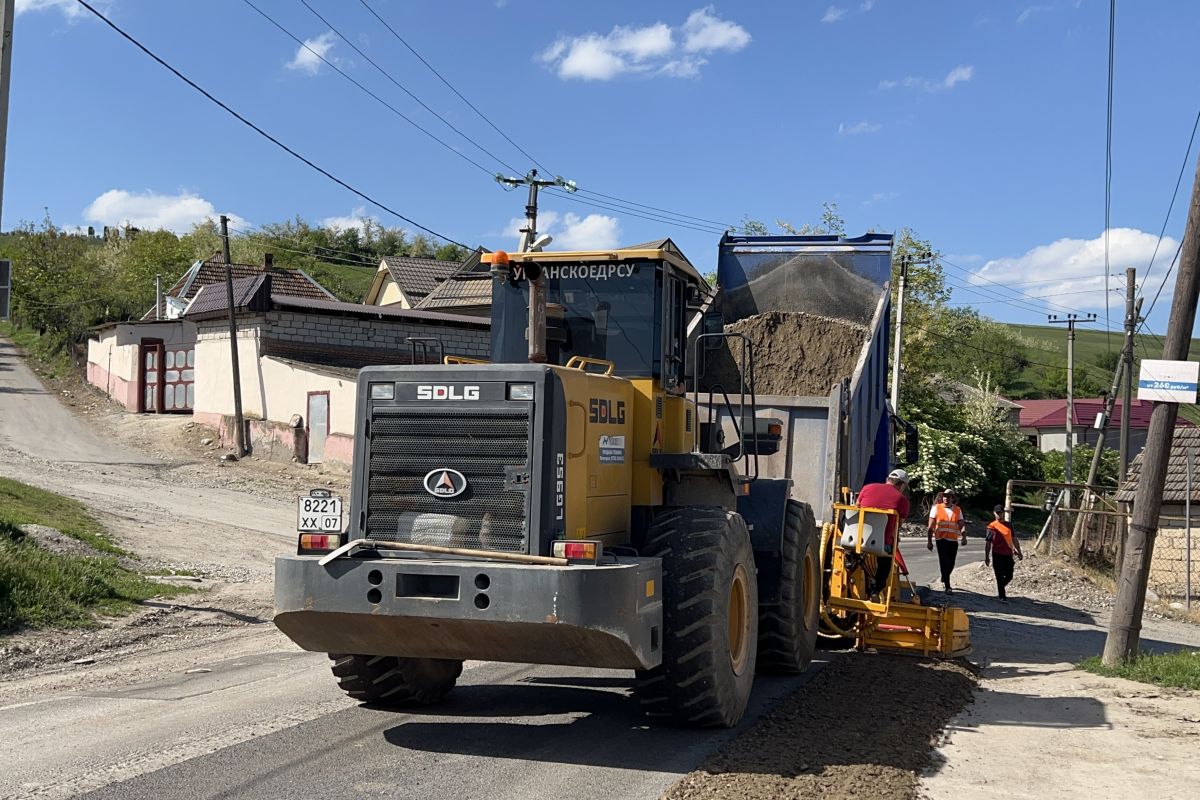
614 490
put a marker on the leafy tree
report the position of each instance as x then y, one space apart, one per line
1054 464
450 252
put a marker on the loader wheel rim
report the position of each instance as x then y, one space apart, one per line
809 600
738 618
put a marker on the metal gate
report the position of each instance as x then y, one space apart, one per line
167 376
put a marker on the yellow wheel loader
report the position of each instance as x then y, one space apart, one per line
610 490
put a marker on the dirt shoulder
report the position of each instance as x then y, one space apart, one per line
1041 728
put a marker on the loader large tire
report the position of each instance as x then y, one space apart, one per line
395 681
787 630
710 618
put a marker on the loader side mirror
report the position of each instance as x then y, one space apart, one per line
912 441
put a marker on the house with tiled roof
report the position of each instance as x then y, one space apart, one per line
404 281
290 282
1168 567
1044 423
148 365
467 291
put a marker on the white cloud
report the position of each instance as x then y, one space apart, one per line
1077 266
308 55
573 232
866 6
858 128
880 197
705 32
152 211
960 74
355 219
833 14
69 8
650 50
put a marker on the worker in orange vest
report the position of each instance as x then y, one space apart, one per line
948 528
998 553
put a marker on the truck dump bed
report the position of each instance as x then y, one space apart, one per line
817 310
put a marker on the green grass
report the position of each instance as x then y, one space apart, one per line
40 589
21 504
1180 669
49 352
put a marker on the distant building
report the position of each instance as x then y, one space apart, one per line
467 291
404 281
956 393
148 365
1044 423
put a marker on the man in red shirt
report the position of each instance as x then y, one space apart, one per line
890 496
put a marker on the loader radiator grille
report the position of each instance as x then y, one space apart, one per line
484 445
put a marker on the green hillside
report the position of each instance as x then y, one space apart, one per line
1094 361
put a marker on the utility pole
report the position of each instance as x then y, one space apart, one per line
1125 625
529 243
899 334
7 13
239 423
1070 320
1133 312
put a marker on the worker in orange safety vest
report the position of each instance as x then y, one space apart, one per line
947 528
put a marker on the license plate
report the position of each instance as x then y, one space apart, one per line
319 512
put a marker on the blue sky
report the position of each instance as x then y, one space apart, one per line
979 123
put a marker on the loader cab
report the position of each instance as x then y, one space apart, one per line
631 307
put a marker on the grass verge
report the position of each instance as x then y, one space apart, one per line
40 588
51 354
21 504
1180 669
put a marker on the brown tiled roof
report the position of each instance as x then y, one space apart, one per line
459 292
378 312
214 297
417 277
291 282
1175 488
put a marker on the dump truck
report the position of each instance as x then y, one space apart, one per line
610 490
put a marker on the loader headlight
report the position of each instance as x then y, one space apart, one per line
520 391
383 391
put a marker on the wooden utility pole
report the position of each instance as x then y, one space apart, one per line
7 13
1133 312
1125 625
899 343
239 422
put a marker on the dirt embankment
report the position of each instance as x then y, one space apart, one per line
864 727
794 354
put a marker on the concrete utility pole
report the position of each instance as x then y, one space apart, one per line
1125 626
529 243
7 13
1070 321
1133 312
239 422
899 334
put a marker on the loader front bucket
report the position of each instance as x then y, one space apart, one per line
933 631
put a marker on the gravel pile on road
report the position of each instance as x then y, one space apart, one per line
865 726
794 354
1050 579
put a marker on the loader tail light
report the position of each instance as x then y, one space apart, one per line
577 552
774 429
319 542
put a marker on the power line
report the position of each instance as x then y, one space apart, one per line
1030 297
260 131
1166 275
450 86
629 212
965 271
275 244
402 87
1112 38
368 92
721 225
1174 196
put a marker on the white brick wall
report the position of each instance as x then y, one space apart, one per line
384 334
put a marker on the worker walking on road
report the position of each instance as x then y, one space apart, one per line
999 550
948 528
890 496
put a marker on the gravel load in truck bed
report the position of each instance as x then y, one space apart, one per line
794 354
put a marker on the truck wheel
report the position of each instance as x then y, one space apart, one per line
787 630
710 618
394 681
